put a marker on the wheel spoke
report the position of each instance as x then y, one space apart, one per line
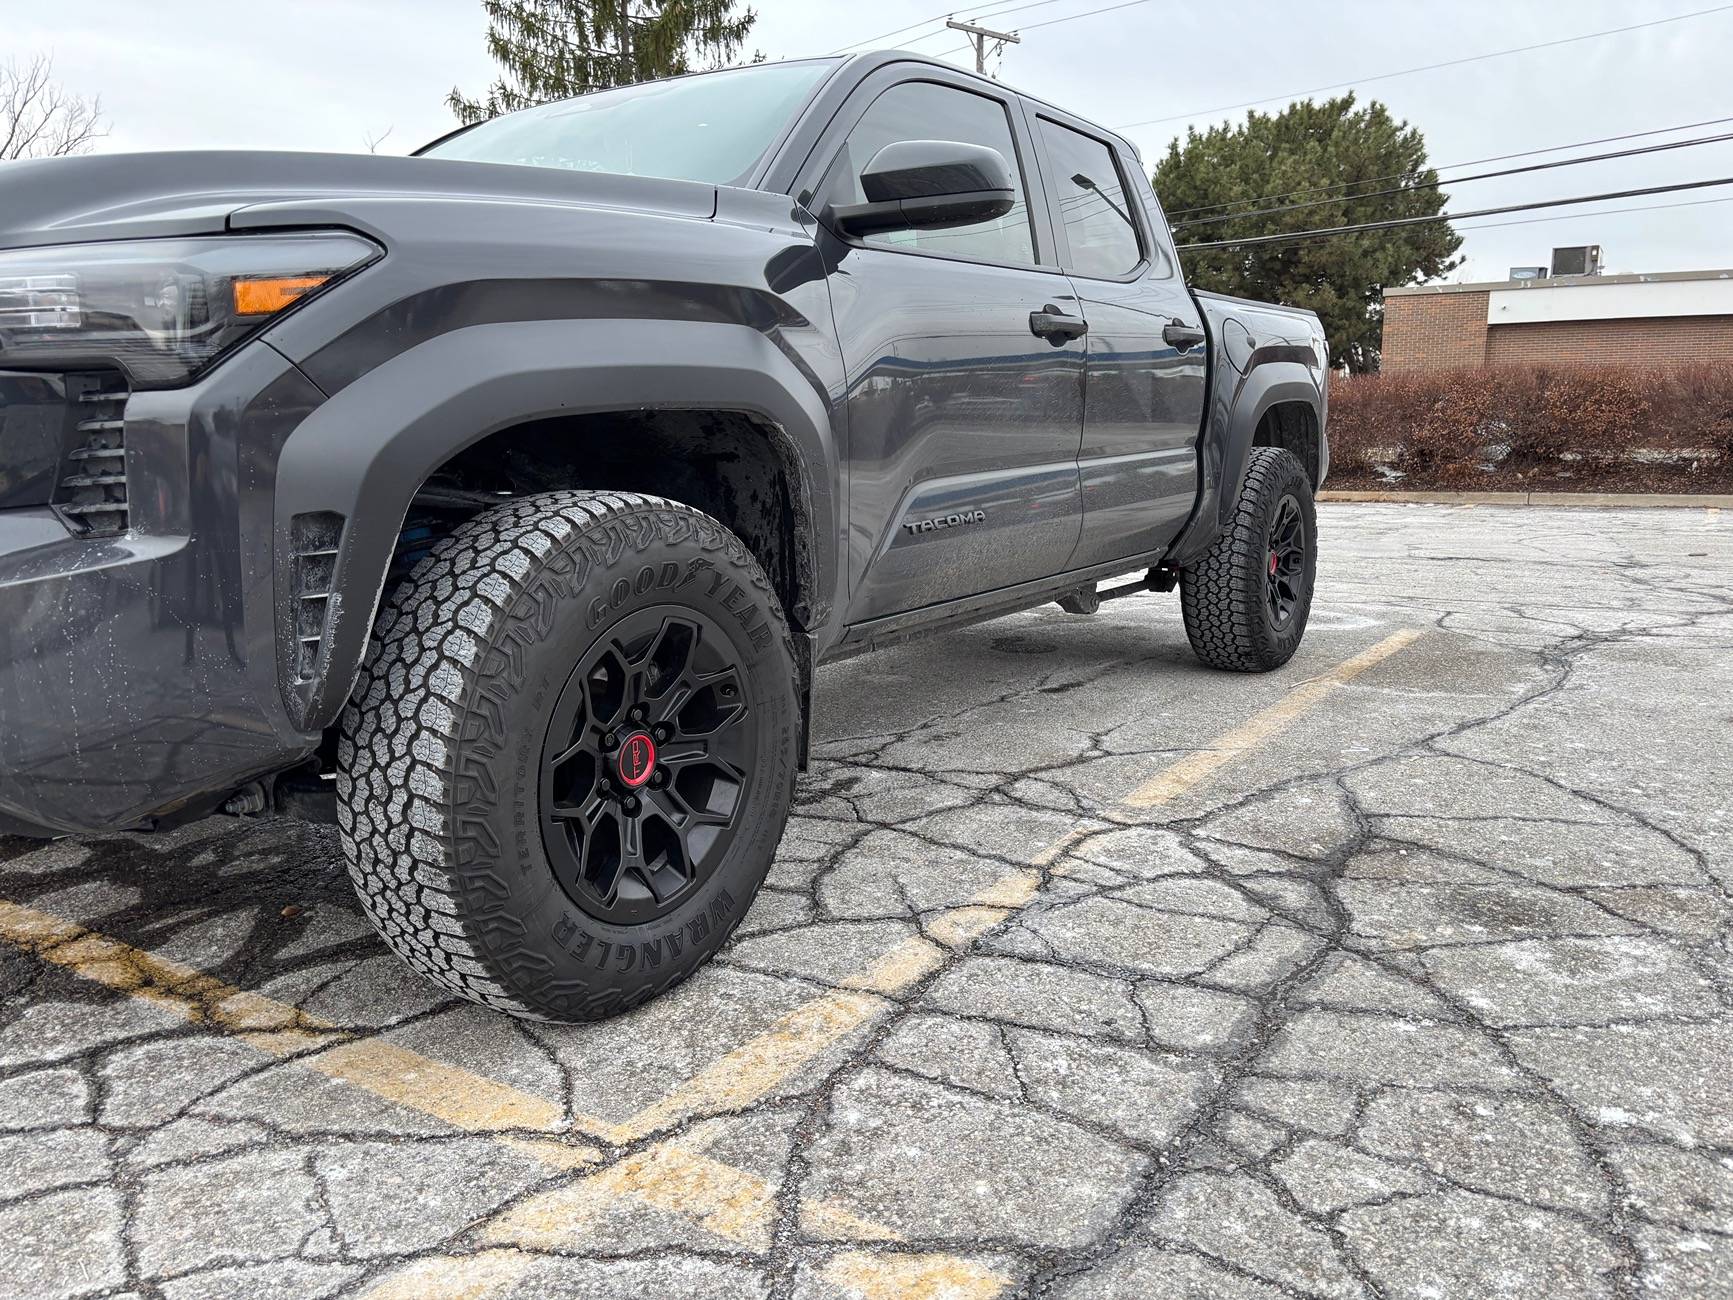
718 702
571 751
604 858
584 812
632 849
678 753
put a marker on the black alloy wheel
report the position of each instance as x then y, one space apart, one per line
1247 599
646 765
1287 547
570 754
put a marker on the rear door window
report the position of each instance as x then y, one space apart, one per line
1091 203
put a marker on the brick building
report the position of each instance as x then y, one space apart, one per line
1672 318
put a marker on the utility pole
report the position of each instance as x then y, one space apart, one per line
979 36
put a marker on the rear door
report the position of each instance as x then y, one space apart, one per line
963 421
1145 371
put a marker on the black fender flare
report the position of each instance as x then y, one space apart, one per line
364 453
1227 444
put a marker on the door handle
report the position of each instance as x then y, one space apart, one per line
1055 326
1179 335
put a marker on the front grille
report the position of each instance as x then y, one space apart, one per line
315 538
91 495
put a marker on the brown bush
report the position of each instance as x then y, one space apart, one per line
1508 426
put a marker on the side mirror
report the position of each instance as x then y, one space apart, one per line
929 185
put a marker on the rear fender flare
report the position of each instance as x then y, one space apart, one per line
1225 453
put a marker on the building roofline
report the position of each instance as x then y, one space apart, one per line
1559 282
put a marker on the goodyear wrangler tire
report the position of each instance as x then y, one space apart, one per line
1246 602
570 753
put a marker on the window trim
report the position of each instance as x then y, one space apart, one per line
1146 263
870 89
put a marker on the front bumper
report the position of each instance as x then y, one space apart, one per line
139 673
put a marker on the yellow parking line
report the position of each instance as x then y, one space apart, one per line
672 1174
396 1074
757 1067
1260 727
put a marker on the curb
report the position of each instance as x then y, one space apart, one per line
1626 500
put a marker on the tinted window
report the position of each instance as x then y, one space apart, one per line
712 127
924 110
1092 204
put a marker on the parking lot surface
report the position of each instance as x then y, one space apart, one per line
1082 971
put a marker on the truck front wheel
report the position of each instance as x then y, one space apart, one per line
1246 602
569 755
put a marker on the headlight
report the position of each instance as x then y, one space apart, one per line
162 309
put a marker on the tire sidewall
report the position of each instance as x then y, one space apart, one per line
1284 639
560 959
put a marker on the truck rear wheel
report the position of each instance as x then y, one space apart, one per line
1246 602
570 753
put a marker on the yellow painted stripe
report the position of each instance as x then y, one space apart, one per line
396 1074
1258 729
671 1175
756 1068
677 1176
762 1063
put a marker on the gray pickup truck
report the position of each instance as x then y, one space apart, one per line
499 502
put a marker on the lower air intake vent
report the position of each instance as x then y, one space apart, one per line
91 495
315 538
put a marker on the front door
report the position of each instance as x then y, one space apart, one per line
964 370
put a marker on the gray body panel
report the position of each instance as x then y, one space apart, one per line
946 463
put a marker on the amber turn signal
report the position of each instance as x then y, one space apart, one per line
265 295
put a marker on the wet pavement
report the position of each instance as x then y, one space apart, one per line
1082 971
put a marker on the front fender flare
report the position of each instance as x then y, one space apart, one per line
364 453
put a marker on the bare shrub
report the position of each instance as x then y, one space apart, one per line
1501 426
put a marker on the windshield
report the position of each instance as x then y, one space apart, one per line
713 127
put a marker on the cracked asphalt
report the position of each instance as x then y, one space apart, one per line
1082 971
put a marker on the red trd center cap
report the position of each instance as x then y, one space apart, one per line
636 760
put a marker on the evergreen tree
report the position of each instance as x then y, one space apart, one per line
555 49
1322 155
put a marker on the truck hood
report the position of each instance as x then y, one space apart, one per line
142 195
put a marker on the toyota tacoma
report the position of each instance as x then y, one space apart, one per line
499 502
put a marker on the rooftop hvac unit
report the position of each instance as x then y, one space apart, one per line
1528 272
1584 260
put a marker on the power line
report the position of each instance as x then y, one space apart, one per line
1458 180
1471 162
1393 222
1071 18
1052 22
1605 212
990 11
1428 67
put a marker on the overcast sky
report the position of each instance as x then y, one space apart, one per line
328 74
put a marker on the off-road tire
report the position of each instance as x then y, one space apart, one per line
440 748
1223 596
